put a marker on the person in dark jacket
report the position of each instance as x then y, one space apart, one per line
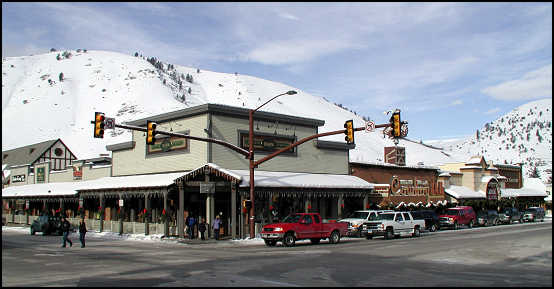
65 229
191 224
202 228
82 232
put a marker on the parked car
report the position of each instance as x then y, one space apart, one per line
47 225
509 215
487 218
393 224
432 222
357 218
303 226
533 214
461 215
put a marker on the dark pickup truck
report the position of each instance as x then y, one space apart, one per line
303 226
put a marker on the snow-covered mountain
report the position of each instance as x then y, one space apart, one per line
38 106
522 135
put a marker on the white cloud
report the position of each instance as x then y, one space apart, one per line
295 51
457 102
533 85
492 111
288 16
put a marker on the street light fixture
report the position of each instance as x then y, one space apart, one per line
251 156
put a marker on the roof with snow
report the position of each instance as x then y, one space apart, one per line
26 154
460 192
523 192
263 179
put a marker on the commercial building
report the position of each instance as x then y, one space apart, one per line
176 176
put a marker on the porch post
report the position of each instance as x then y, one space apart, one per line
233 210
147 207
166 221
339 207
121 215
181 212
366 199
102 210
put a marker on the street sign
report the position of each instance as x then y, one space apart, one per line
109 123
369 126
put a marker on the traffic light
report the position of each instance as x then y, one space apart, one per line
349 132
395 121
150 132
99 125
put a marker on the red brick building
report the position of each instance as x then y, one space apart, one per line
395 184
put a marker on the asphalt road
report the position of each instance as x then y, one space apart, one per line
506 256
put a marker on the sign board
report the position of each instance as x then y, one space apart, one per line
18 178
121 203
167 144
109 123
369 126
395 155
207 188
40 175
77 172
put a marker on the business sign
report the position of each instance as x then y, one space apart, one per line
167 144
492 191
109 123
77 172
18 178
267 143
40 175
207 188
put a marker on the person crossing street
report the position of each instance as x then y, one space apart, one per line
66 226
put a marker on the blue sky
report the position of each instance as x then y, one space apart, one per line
450 67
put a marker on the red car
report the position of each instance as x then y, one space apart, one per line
303 226
461 215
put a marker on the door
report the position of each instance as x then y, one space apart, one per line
400 223
306 228
408 224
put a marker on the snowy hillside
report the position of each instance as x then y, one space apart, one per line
522 135
37 106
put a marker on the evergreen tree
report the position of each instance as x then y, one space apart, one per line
136 54
61 76
534 173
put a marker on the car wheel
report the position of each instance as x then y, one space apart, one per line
289 240
334 238
433 228
315 241
470 225
511 221
270 243
456 227
369 237
389 234
486 224
416 233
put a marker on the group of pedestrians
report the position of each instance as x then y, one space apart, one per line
66 227
190 222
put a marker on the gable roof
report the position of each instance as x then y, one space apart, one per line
27 154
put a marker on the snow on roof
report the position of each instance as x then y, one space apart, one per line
41 190
138 181
474 160
486 179
445 174
302 180
460 192
523 192
534 183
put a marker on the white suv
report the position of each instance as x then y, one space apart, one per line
356 219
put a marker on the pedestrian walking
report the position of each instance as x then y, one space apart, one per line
217 223
187 227
65 229
82 232
191 224
202 228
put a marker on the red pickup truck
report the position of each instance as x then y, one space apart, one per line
303 226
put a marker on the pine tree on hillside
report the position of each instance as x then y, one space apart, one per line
534 173
61 76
